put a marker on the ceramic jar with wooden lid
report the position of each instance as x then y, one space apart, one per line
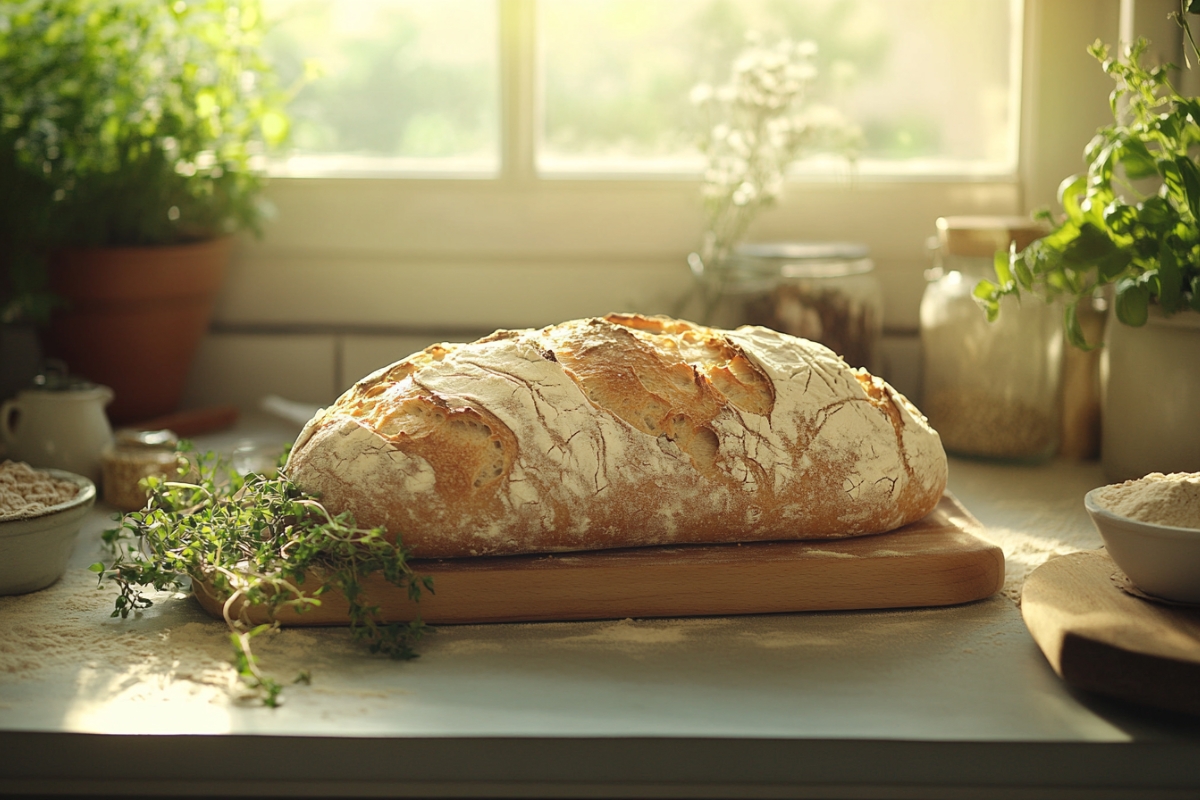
991 389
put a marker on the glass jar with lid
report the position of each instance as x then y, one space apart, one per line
135 455
823 291
990 389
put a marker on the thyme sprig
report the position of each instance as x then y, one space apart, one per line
254 540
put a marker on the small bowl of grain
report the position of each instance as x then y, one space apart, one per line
1151 528
41 512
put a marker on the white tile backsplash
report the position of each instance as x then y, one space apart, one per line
242 368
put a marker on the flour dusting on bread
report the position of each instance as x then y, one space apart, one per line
621 431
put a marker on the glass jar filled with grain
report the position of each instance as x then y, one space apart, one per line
991 389
134 456
823 291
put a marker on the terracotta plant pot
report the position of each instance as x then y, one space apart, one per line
135 317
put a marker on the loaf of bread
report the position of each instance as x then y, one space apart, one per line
616 432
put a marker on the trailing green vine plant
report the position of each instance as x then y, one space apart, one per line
1132 220
255 540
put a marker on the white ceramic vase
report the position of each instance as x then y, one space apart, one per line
1150 384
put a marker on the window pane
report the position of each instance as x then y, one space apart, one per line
932 84
393 84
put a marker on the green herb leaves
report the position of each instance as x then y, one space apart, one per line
255 541
136 122
140 122
1132 221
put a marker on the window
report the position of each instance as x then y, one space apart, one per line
930 94
387 86
510 215
413 86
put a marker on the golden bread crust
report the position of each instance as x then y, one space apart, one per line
621 431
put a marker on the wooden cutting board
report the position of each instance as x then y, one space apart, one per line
936 561
1100 638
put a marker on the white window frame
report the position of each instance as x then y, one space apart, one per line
460 255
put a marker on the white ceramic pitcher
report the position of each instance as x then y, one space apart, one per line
61 429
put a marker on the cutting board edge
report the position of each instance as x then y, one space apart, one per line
842 589
314 617
1098 667
1090 664
975 568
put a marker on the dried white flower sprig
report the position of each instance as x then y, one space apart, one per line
759 123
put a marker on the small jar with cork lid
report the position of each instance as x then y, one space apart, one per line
990 389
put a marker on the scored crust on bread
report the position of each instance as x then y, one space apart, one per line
620 431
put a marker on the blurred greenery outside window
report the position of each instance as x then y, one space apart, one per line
414 86
388 86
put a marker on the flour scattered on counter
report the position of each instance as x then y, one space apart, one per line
631 632
644 639
1034 514
828 554
776 640
1024 552
625 635
448 646
67 626
1040 537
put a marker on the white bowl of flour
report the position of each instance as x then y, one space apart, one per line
1151 527
41 512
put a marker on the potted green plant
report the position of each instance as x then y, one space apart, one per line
132 143
1130 231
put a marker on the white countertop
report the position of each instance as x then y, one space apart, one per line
946 702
